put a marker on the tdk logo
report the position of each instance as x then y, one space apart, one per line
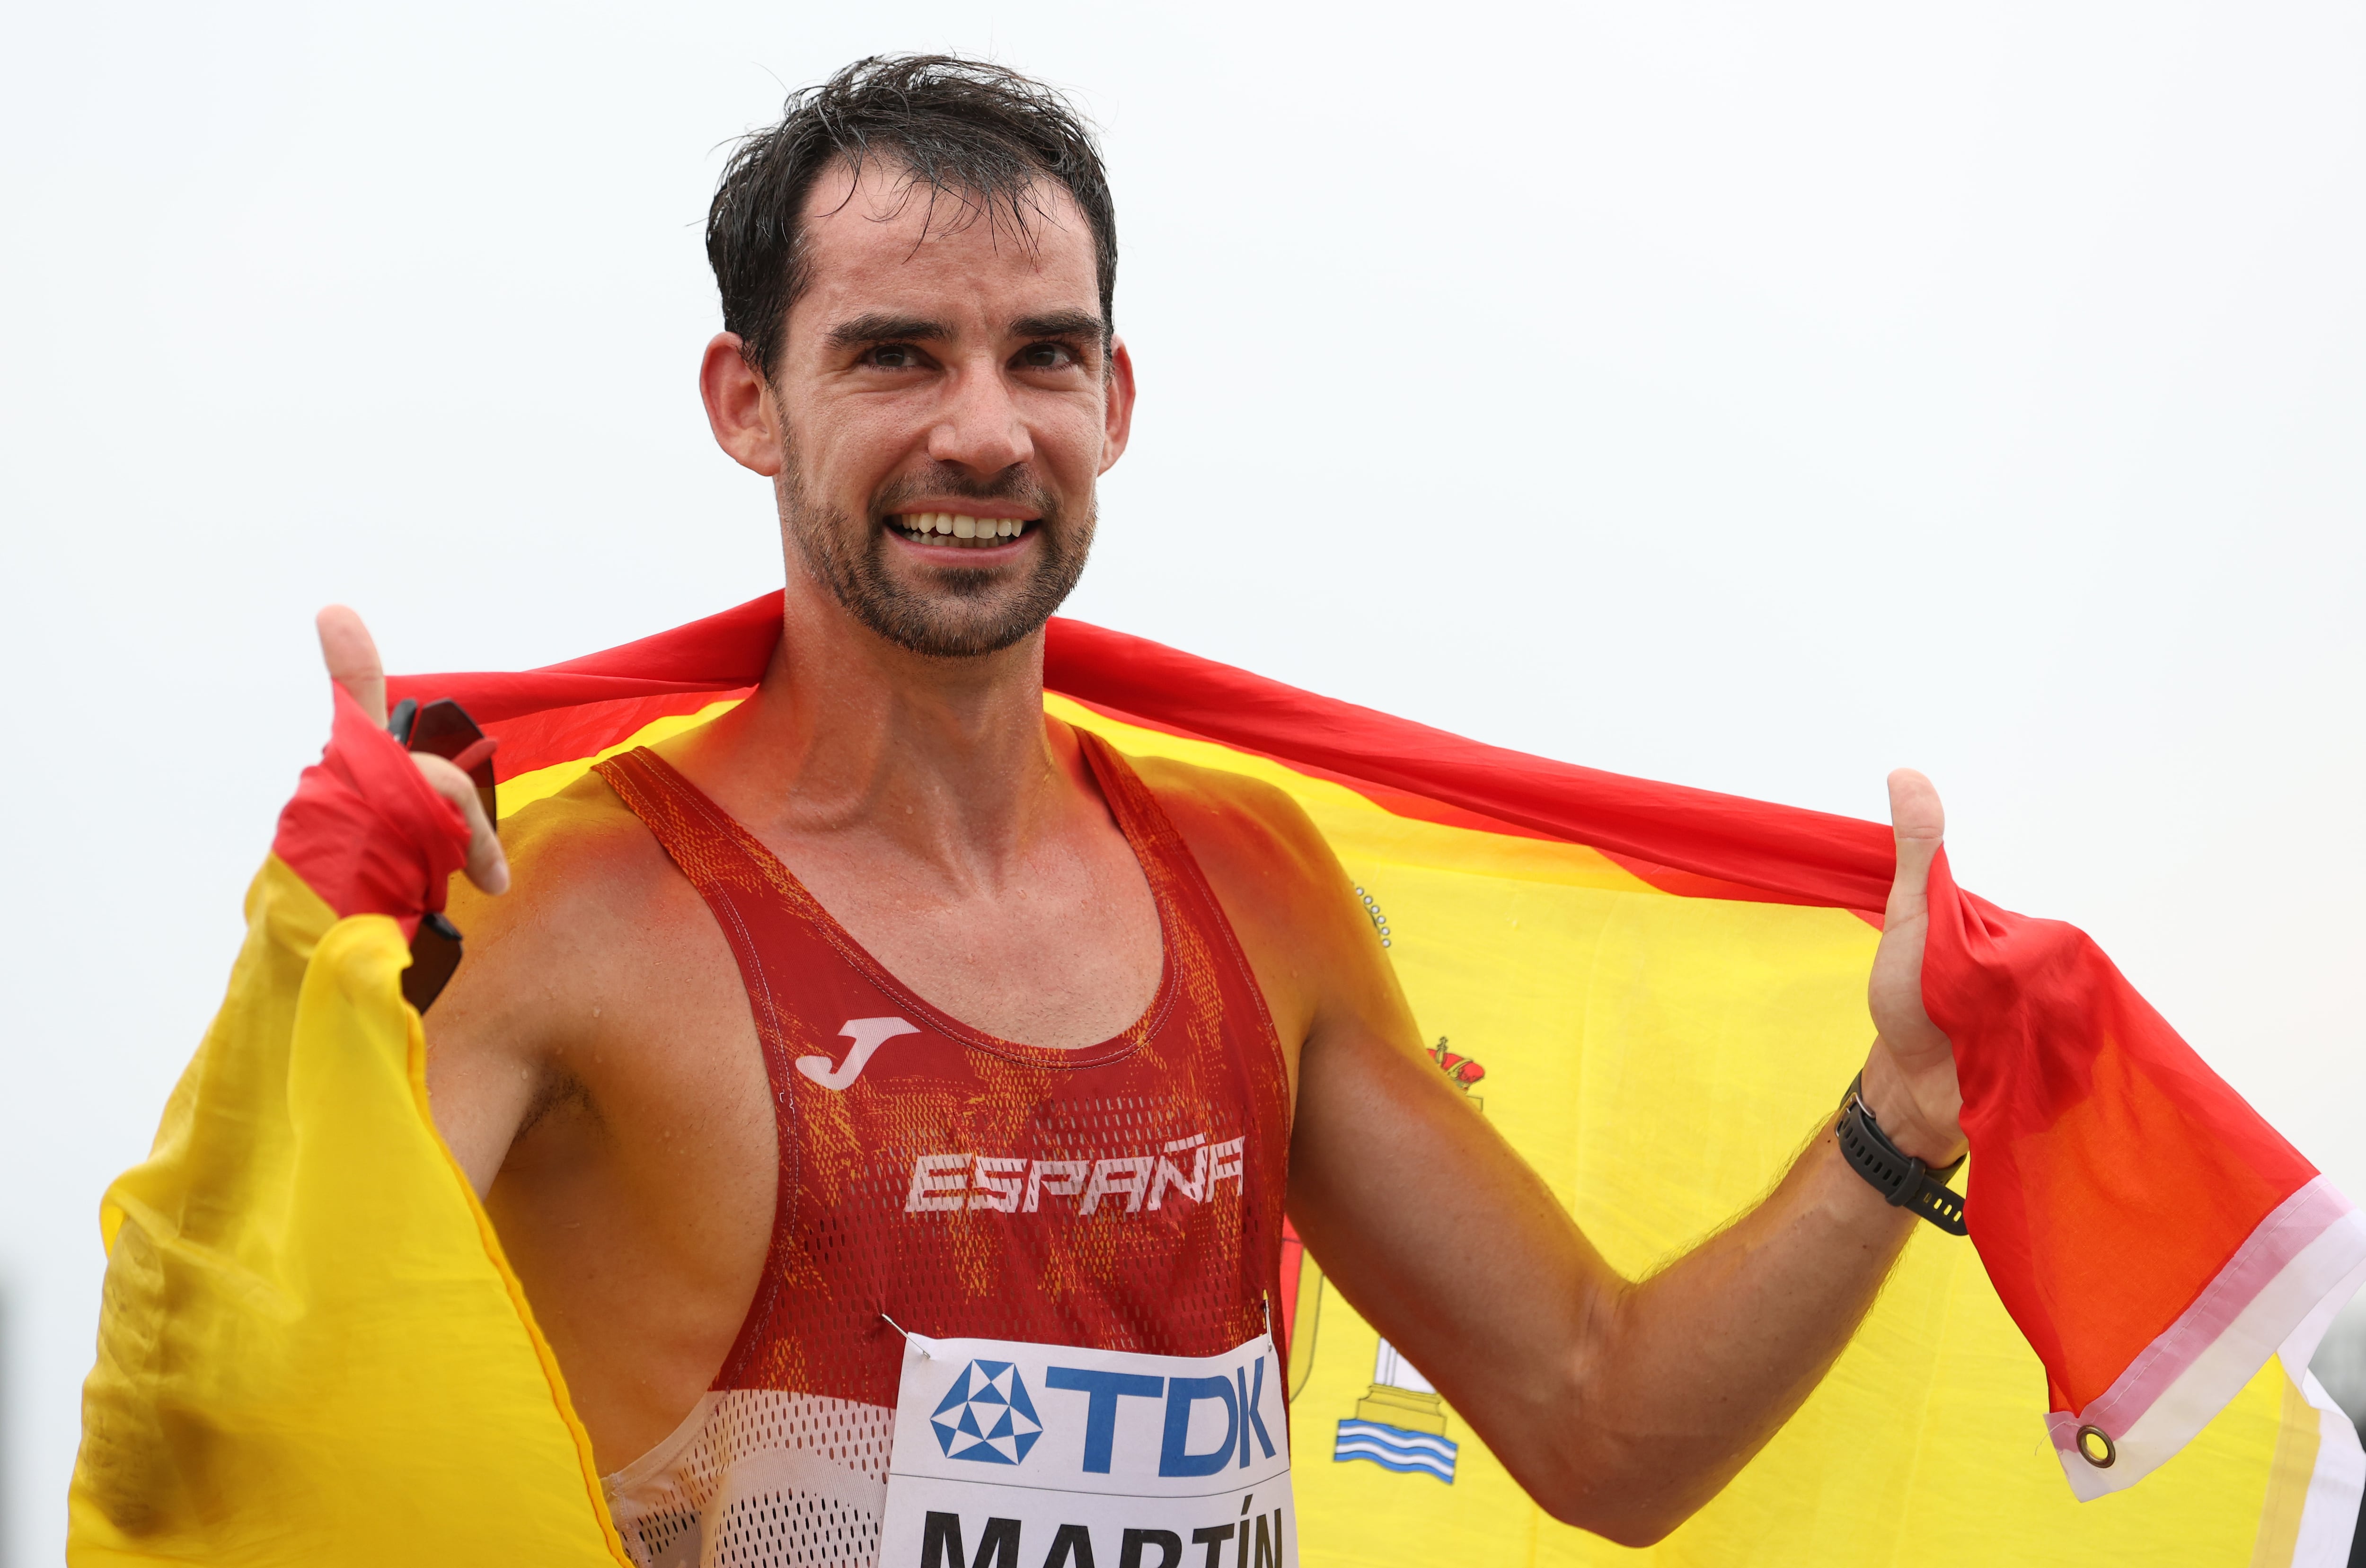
986 1415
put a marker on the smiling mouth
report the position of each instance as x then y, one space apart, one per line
958 530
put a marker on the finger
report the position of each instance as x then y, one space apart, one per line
350 654
488 867
1920 823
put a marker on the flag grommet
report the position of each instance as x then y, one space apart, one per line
2096 1447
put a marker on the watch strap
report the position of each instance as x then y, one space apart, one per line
1903 1181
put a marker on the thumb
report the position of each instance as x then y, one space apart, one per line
1920 823
350 654
488 867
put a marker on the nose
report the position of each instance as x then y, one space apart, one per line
979 427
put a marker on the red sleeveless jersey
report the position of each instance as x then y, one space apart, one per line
1124 1196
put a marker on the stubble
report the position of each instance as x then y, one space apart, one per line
941 612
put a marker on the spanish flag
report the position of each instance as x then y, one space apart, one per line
311 1349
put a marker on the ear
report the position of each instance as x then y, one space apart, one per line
1118 410
739 406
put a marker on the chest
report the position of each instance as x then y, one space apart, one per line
1061 949
939 1177
734 1030
1089 995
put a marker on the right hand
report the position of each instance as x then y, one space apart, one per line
1910 1077
350 654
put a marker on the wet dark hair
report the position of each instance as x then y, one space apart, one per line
981 135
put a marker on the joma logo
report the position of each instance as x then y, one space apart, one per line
868 1034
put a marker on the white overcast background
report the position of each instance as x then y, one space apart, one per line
1757 398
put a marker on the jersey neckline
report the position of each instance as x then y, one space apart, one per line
1101 763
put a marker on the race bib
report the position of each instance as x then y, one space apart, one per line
1011 1455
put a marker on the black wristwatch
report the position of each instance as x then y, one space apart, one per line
1898 1175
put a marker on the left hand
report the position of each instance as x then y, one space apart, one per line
1909 1079
350 654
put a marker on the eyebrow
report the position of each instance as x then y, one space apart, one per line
1059 323
881 327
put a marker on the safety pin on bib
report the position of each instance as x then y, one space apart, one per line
909 1337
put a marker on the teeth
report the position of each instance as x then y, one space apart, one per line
953 525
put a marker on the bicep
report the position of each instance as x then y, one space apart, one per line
1419 1209
1436 1229
488 1061
480 1099
511 1032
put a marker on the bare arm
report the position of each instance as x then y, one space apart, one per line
491 1054
1621 1406
572 988
491 1050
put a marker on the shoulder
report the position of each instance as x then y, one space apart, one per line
588 887
1287 896
578 855
1242 831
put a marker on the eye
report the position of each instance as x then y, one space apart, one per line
891 356
1047 356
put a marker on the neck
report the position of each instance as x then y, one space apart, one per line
849 735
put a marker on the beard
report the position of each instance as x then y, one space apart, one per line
941 610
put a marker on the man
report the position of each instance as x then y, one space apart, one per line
884 1005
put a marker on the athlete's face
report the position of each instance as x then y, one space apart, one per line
941 408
